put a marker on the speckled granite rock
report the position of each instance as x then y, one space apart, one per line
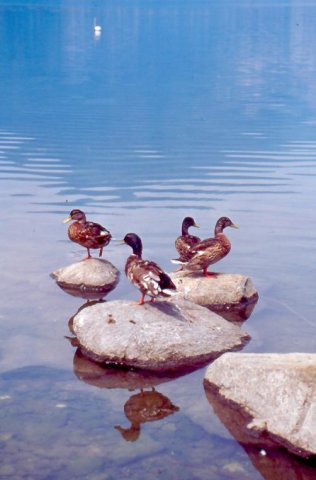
88 278
231 295
274 392
157 336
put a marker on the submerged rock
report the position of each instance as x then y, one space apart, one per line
92 278
272 394
156 336
231 295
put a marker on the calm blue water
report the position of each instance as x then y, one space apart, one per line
178 108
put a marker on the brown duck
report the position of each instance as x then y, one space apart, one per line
87 234
185 242
210 250
146 275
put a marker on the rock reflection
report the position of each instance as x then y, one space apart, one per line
236 313
269 459
142 407
105 376
146 406
87 294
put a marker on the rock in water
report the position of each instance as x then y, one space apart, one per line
156 336
274 392
231 295
89 278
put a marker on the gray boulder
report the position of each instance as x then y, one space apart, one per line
157 336
273 393
231 295
91 278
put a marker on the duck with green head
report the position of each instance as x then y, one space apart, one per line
185 242
146 275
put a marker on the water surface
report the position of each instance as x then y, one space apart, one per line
178 108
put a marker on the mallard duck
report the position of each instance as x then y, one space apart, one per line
185 242
211 250
146 275
87 234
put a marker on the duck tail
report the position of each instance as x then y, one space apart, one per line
168 292
178 261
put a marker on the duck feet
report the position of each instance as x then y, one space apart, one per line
209 274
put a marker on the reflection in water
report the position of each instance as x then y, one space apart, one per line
83 292
236 312
145 407
104 376
270 460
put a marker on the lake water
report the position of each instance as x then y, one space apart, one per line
179 107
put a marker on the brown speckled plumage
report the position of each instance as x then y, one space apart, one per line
87 234
185 242
211 250
146 275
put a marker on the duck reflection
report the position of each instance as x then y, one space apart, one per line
146 406
268 458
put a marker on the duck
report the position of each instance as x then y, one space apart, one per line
211 250
87 234
146 275
185 242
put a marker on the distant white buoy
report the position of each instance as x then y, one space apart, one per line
97 28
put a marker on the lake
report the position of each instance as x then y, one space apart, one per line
191 107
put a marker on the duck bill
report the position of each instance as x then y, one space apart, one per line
196 225
120 242
233 225
66 220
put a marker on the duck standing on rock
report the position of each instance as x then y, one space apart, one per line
185 242
87 234
210 250
146 275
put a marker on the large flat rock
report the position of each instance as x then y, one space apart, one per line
231 295
275 394
157 336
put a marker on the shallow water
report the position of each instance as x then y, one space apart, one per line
178 108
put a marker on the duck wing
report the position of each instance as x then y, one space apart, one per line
149 277
184 245
204 244
95 233
206 253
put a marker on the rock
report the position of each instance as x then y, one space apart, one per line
274 393
157 336
92 278
271 461
231 295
